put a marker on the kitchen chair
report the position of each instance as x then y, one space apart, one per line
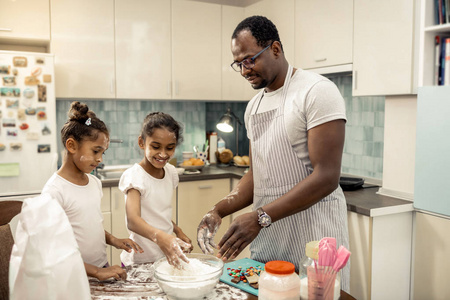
8 209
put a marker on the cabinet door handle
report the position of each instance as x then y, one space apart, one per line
355 81
5 29
205 187
320 59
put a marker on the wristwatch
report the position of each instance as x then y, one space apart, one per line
263 218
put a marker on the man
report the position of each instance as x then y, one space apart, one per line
296 128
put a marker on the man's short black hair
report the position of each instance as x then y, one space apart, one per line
264 31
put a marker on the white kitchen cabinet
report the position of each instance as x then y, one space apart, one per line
106 212
323 34
143 49
234 86
384 47
431 263
25 21
83 44
380 263
195 199
196 50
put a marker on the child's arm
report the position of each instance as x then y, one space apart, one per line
181 235
169 245
125 244
105 273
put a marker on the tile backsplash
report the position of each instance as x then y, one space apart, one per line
363 149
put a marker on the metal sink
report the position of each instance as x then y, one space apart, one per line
111 172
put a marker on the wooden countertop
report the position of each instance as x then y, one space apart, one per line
364 201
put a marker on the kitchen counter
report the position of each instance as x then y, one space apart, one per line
365 201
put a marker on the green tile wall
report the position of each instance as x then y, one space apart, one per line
363 148
364 136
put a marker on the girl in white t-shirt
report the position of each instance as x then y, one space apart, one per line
86 138
148 187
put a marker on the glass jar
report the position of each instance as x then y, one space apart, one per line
279 281
309 261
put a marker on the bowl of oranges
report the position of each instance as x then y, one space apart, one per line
192 164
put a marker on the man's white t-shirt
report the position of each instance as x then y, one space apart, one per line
156 208
311 100
82 206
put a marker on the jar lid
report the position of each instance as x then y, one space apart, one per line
279 267
312 249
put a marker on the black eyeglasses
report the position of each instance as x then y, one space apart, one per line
248 63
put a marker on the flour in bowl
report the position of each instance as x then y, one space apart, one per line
194 267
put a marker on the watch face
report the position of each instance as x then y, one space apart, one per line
265 220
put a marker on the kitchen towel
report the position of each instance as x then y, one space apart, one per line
45 261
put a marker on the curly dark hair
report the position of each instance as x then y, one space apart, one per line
161 120
264 31
82 124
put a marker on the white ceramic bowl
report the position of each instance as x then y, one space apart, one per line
194 286
180 171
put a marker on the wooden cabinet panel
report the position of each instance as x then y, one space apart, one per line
195 199
323 33
118 223
383 48
83 44
25 20
196 50
143 49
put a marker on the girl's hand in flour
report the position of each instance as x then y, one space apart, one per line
172 249
182 236
207 230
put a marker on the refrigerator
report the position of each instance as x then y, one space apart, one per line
28 133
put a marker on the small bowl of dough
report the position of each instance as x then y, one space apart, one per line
195 280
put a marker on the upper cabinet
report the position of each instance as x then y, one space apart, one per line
234 86
143 49
196 50
27 21
384 45
83 45
324 35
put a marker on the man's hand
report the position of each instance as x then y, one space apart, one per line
241 233
207 230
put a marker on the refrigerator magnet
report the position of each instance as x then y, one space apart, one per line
5 69
36 71
24 126
40 60
42 93
15 72
12 104
31 80
2 147
44 148
28 93
9 92
41 115
9 81
32 136
30 111
21 114
12 134
20 61
15 146
47 78
8 123
45 129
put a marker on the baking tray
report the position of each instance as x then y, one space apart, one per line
351 183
